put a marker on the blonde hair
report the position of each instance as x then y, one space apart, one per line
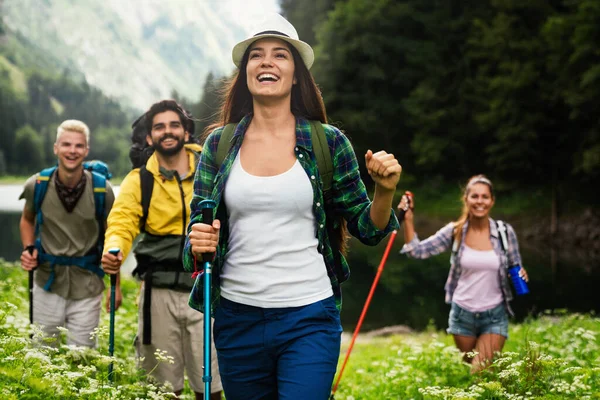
73 125
464 216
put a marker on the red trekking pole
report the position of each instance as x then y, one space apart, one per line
366 306
364 311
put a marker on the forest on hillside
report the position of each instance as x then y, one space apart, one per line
453 88
504 87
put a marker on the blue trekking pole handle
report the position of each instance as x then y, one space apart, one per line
207 207
111 337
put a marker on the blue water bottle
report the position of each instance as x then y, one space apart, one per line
518 282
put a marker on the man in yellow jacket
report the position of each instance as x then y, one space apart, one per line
153 202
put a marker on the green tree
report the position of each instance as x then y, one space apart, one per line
48 135
441 105
206 111
2 163
50 100
522 113
40 109
111 145
12 115
28 149
371 56
307 16
574 59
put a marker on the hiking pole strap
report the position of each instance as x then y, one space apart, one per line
147 326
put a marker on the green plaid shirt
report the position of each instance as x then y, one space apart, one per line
350 201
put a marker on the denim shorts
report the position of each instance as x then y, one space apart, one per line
466 323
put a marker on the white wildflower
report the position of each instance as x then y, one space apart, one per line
161 355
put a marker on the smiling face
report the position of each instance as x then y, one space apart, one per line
71 149
167 134
270 69
479 200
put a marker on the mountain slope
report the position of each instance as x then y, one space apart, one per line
137 51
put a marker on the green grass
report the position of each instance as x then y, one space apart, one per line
27 372
552 357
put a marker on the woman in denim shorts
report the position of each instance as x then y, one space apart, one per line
478 286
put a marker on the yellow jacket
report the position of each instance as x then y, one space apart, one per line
166 225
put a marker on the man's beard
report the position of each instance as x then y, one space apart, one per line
156 145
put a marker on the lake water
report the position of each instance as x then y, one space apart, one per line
410 292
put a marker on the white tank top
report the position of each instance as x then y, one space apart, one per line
478 287
272 259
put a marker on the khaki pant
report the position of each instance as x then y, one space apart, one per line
178 330
80 317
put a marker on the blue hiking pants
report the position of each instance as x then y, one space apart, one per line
277 353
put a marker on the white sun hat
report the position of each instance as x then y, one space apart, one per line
274 25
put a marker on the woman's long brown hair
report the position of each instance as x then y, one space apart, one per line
464 216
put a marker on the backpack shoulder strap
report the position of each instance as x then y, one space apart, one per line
224 144
336 226
454 245
146 187
41 186
39 192
99 184
503 238
322 154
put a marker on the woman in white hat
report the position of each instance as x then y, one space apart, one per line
276 273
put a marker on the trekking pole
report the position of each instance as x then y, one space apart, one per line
111 335
30 250
365 307
207 207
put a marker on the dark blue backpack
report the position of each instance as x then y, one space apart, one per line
91 262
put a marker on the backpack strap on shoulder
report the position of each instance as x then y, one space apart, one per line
99 184
454 245
224 143
146 187
322 154
503 238
333 223
39 192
